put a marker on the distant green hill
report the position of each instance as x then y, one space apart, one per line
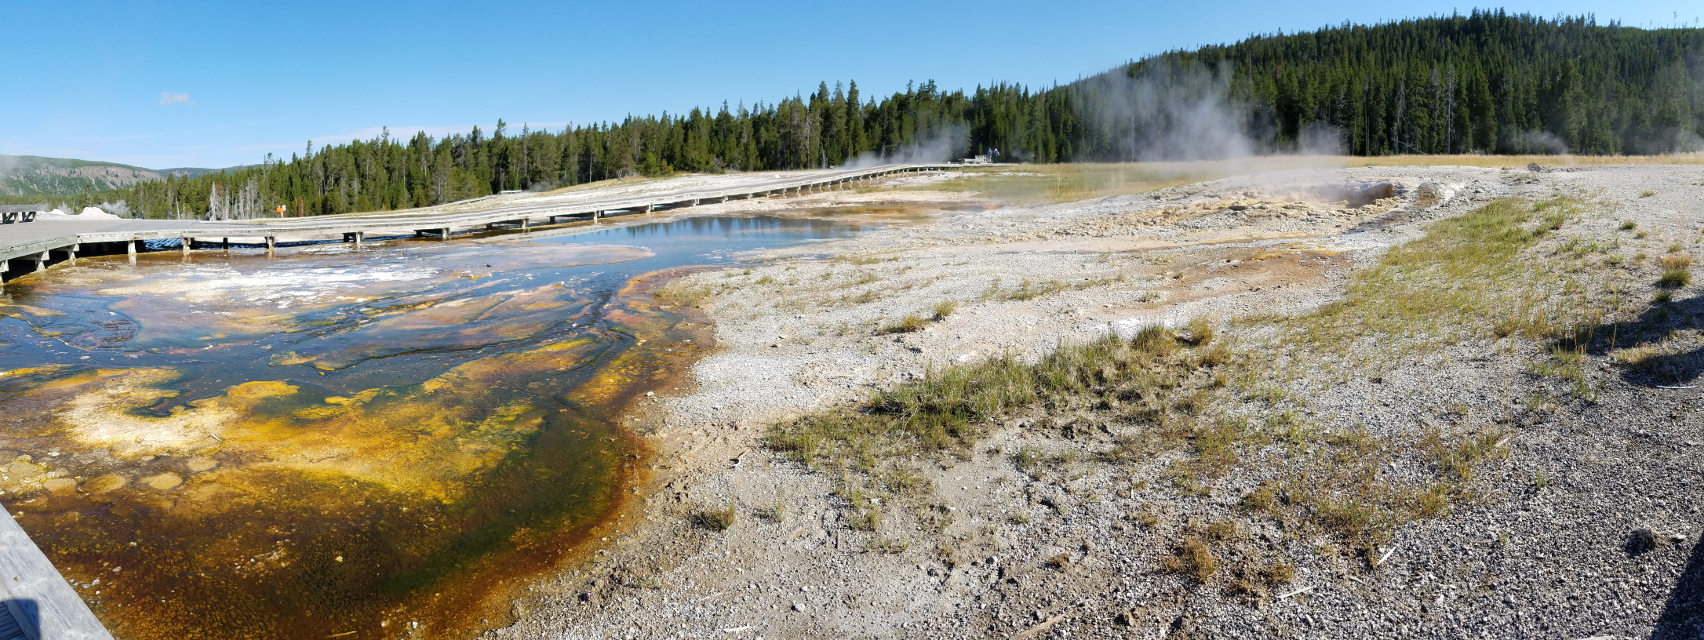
38 176
196 172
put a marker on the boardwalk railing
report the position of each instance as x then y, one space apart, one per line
39 603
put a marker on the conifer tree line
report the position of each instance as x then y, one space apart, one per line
1487 82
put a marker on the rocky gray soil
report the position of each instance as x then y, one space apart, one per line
1583 521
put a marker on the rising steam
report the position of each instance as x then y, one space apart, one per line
946 144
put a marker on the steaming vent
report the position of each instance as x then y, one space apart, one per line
1432 194
1354 195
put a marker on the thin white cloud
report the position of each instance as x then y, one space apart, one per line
168 98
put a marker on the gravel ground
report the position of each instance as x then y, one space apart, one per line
1589 527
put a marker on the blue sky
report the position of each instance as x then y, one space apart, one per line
171 84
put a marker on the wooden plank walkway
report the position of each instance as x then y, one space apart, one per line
40 604
40 239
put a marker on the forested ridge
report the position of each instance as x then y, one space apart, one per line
1488 82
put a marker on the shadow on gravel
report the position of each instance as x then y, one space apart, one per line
1657 324
1683 617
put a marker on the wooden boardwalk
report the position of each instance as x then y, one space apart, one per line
39 603
46 240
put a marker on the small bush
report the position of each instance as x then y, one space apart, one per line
1629 225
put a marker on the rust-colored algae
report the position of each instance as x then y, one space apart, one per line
363 510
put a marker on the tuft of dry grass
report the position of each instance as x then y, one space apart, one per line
910 323
715 519
1677 270
944 309
1030 290
1194 558
1193 555
681 293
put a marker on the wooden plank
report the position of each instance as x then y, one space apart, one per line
44 606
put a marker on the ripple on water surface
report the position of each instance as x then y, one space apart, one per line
330 441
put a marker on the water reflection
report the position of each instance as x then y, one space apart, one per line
330 441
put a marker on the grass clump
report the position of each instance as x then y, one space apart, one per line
680 293
1677 270
715 519
910 323
1457 457
885 546
1194 558
1029 290
913 322
944 309
1193 555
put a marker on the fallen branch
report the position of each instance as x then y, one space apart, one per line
1663 387
1037 629
1045 625
1296 592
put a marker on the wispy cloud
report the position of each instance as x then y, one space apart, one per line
168 98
